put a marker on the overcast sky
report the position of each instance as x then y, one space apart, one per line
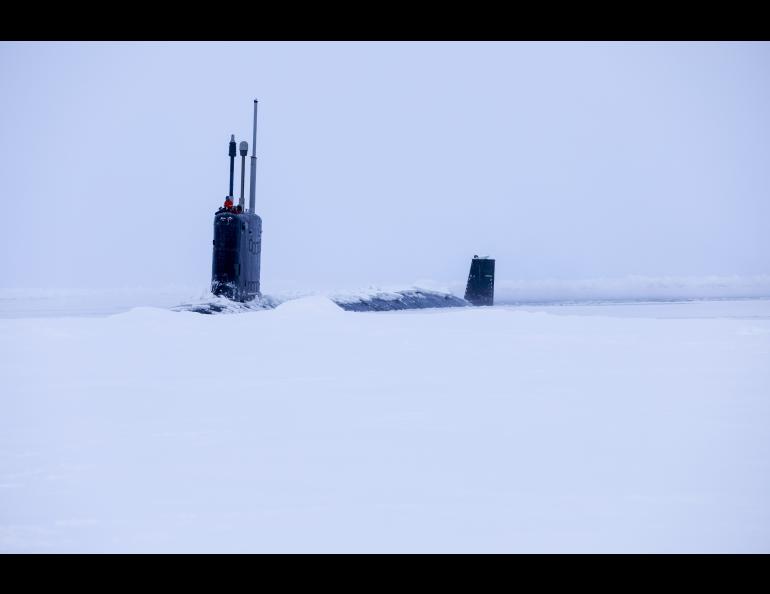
385 163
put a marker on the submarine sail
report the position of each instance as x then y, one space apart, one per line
237 244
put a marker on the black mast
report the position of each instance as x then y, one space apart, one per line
233 152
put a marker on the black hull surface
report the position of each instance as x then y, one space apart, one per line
400 300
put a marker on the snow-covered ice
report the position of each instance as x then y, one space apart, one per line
307 428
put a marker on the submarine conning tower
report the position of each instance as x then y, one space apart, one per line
480 289
237 244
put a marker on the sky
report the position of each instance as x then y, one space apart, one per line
385 163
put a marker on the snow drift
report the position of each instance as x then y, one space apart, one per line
308 428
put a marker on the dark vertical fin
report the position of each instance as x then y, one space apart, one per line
480 289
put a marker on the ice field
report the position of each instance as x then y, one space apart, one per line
614 428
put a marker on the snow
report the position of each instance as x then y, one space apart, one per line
306 428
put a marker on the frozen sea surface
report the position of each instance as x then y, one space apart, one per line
609 427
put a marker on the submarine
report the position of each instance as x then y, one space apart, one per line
237 252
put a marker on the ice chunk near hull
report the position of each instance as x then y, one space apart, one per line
223 305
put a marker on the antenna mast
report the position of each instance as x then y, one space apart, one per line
244 150
253 180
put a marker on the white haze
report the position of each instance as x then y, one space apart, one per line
386 163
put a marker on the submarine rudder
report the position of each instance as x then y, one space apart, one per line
480 289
